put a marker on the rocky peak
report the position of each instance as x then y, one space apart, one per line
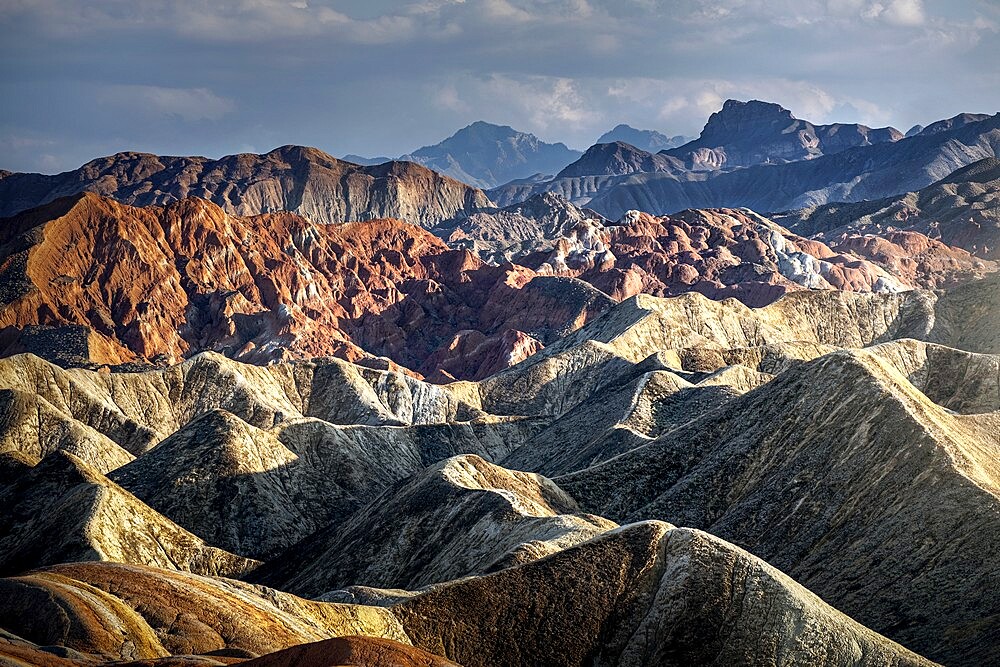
738 118
953 123
616 159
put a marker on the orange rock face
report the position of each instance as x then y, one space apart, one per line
141 284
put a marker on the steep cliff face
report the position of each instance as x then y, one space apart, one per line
299 179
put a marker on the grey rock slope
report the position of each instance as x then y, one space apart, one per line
619 158
61 510
485 155
647 140
962 209
303 180
463 516
645 594
844 475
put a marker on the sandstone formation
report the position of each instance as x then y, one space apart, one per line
723 253
645 594
844 475
34 428
351 652
299 179
256 492
341 477
126 612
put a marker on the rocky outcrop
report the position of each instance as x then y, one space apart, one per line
962 210
461 517
736 253
62 510
501 235
299 179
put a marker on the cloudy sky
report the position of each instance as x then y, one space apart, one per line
212 77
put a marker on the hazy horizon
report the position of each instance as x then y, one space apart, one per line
384 78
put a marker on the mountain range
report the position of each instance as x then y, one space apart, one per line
962 209
89 280
291 178
485 155
759 156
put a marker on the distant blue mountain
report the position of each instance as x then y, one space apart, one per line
647 140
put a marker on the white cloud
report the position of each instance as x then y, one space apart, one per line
897 12
190 104
502 10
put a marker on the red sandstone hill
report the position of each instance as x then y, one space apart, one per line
86 278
